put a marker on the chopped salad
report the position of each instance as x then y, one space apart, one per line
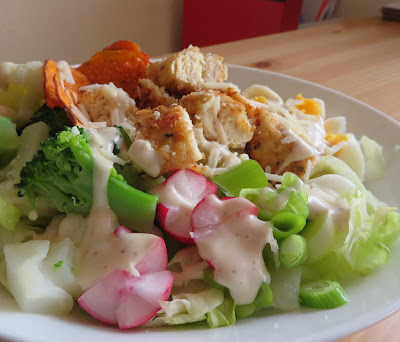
157 193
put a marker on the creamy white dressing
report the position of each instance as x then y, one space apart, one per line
234 247
300 151
100 250
145 157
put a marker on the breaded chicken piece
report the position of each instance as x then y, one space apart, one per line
268 145
222 118
170 133
106 102
151 95
187 71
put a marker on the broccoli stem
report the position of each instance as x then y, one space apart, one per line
135 209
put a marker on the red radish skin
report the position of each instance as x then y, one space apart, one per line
123 299
178 196
121 230
120 298
155 260
204 215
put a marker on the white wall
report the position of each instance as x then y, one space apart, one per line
352 9
74 29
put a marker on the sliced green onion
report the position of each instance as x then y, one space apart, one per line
288 179
292 251
209 278
298 203
245 310
322 294
250 194
285 223
264 296
249 174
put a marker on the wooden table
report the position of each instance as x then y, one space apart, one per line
359 58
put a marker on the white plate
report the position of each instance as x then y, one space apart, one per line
371 299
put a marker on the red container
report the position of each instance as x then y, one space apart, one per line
208 22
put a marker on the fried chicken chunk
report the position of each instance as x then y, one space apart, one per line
222 118
151 95
106 102
169 132
270 145
187 71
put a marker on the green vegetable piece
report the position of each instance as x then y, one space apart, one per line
56 118
125 136
263 299
245 310
62 174
9 140
209 278
30 141
223 315
322 294
135 180
249 174
13 96
58 265
292 251
264 296
287 223
288 179
9 215
134 208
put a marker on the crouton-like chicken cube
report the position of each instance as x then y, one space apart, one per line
269 147
106 102
222 118
151 95
168 133
187 71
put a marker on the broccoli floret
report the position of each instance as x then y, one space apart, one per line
56 118
62 174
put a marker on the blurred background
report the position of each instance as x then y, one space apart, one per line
74 29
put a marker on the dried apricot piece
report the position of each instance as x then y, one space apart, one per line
121 63
61 93
49 71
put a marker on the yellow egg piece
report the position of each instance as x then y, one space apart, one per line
261 99
334 139
308 106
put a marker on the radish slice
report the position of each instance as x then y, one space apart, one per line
131 297
231 238
126 300
121 230
177 197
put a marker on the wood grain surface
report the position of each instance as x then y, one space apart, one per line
359 58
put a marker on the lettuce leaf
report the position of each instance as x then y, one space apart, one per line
188 307
223 315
